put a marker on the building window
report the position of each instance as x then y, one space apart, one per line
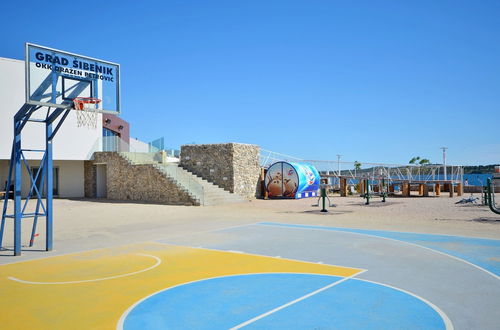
110 140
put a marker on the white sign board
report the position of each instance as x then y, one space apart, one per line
54 78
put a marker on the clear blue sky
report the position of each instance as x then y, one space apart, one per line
375 81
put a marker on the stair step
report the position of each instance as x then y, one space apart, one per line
207 193
212 194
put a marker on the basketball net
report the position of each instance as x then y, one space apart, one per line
86 112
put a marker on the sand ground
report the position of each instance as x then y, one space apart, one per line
88 224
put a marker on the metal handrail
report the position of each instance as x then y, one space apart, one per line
184 179
491 198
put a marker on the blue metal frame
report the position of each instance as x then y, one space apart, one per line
44 172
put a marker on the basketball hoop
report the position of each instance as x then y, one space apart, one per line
87 111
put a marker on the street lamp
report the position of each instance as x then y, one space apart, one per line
338 167
444 161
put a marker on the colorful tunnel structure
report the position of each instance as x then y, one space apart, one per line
292 180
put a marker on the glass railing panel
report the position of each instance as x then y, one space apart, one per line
185 180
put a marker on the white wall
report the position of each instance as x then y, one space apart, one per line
70 143
71 177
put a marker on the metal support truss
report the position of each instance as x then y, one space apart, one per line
39 179
391 173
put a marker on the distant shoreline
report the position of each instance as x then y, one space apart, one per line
480 169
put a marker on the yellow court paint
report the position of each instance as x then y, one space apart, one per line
99 304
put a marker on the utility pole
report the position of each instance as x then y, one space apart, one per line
338 167
444 162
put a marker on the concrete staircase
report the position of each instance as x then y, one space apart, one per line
200 189
206 192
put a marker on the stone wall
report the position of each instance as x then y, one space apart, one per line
125 181
90 179
232 166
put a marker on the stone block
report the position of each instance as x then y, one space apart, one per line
232 166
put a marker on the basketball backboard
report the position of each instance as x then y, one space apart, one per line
54 78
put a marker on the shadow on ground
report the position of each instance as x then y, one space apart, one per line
495 220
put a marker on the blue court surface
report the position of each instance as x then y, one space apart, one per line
410 281
264 275
238 301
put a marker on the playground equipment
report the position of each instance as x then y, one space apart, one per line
391 172
429 178
470 200
60 82
323 197
368 195
485 196
491 197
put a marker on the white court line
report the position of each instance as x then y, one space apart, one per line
211 230
121 321
158 262
444 317
114 246
446 320
390 239
241 325
255 254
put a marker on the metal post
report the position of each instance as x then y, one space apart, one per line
338 167
20 120
383 191
7 195
367 190
323 197
17 187
444 162
50 181
491 198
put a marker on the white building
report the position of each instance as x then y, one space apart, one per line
72 145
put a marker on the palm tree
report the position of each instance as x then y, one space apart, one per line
357 167
414 160
424 161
